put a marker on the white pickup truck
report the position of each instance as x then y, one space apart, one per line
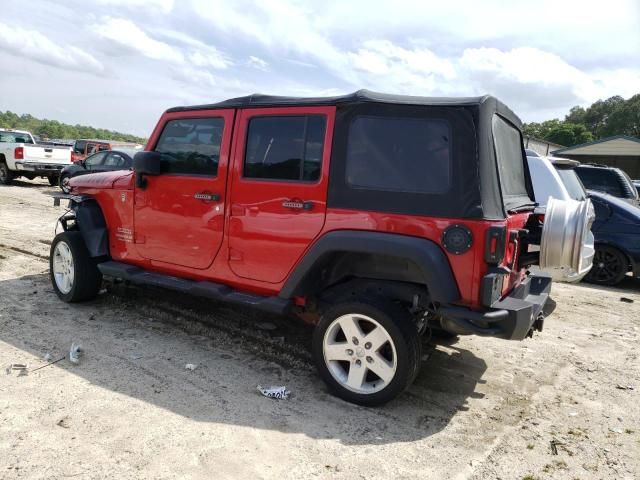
20 156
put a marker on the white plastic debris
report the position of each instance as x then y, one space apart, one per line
74 353
46 357
281 393
191 366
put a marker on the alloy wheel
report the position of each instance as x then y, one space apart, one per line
359 353
63 268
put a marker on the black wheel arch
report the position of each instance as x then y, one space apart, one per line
90 221
374 255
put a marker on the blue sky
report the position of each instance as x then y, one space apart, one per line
119 63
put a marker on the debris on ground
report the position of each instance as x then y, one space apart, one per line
626 300
615 430
275 392
554 446
74 353
625 387
46 357
20 367
191 366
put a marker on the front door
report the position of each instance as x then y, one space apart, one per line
179 215
279 191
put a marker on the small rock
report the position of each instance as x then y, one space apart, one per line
573 414
615 430
626 300
625 387
266 326
191 366
64 422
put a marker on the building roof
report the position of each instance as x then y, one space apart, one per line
618 145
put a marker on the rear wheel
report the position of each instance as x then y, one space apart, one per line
610 266
53 180
367 350
74 274
6 175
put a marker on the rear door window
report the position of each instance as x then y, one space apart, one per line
191 146
396 154
285 148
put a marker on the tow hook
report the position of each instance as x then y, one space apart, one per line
537 326
539 323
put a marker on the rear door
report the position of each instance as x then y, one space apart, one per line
179 215
279 190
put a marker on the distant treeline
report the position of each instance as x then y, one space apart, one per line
53 129
604 118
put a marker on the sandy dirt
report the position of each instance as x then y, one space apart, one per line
555 406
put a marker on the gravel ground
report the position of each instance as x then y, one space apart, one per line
564 404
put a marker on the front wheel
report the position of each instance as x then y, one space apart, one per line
74 274
367 350
610 266
64 183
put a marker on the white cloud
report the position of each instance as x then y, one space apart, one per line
35 46
164 6
129 36
257 63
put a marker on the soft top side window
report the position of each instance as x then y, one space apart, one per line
191 146
399 154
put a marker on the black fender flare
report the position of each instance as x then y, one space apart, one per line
426 254
92 225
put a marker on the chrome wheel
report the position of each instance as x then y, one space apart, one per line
63 268
359 353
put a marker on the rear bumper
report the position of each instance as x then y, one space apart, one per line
512 318
36 168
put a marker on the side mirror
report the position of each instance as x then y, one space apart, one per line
146 163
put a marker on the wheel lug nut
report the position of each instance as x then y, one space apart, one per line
355 341
369 359
358 362
349 351
367 345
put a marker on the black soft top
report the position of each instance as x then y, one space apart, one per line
361 96
476 191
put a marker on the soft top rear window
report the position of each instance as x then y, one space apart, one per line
511 163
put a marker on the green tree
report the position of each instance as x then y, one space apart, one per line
576 115
569 134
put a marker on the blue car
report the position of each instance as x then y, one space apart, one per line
617 233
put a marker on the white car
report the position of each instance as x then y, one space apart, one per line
548 184
20 156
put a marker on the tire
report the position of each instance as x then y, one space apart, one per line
84 278
610 266
6 175
64 183
53 180
401 349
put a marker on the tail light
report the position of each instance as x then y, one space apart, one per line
495 242
18 153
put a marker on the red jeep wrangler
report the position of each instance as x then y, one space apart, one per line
380 216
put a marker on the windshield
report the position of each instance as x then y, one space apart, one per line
15 137
572 183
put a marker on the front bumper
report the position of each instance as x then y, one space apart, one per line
46 169
512 318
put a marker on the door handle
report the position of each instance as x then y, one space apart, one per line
297 205
207 197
